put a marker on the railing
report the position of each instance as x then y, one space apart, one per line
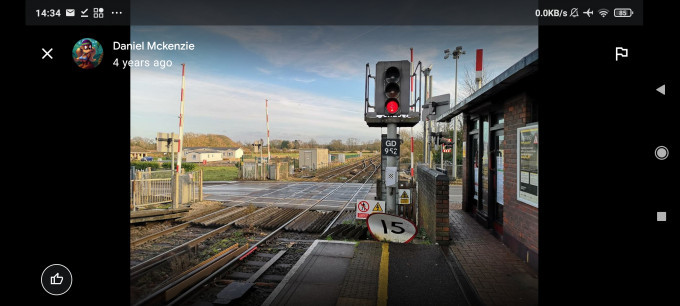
149 188
146 192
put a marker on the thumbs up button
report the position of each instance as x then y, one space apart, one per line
56 279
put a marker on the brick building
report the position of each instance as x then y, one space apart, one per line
500 156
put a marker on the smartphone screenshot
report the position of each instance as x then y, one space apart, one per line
353 152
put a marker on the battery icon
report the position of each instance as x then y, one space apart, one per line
623 12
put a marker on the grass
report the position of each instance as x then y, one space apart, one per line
236 237
227 173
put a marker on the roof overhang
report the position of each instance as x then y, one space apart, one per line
525 67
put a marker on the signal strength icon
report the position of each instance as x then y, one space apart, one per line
603 12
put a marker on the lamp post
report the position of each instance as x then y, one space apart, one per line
426 122
455 55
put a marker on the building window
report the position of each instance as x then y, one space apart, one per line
534 112
475 125
497 118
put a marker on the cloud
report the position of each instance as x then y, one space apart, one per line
330 52
265 71
222 99
214 104
304 80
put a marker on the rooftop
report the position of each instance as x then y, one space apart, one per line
525 67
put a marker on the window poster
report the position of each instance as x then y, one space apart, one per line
527 165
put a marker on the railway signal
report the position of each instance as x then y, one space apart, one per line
392 88
445 141
447 144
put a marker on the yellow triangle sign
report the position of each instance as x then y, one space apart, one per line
377 207
404 195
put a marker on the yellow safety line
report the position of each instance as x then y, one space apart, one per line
382 279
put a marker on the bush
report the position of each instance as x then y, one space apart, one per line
185 166
140 165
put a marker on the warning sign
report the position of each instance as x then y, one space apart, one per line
362 206
404 196
366 207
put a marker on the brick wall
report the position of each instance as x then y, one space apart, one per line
433 203
520 220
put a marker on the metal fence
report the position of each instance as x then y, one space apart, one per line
259 171
148 188
252 171
148 174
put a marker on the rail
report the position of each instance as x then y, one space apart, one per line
180 294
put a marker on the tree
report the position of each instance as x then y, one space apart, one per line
207 140
285 144
372 145
405 147
352 144
335 145
275 144
143 143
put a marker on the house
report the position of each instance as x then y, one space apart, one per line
232 153
224 153
204 155
138 155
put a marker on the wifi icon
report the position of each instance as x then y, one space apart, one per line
603 12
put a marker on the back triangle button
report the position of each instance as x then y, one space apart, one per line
662 89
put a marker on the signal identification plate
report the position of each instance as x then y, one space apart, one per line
390 147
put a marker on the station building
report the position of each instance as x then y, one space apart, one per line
500 156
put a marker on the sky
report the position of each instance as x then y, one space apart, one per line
313 77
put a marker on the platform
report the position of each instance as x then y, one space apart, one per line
373 273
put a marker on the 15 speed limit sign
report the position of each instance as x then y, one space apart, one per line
384 227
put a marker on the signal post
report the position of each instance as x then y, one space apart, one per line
391 109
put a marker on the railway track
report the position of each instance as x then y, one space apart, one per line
363 170
346 170
257 230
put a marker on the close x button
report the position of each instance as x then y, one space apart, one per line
46 53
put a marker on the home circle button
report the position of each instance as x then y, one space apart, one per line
661 153
56 279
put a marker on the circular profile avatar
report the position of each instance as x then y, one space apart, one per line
87 53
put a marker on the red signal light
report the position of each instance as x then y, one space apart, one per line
392 106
